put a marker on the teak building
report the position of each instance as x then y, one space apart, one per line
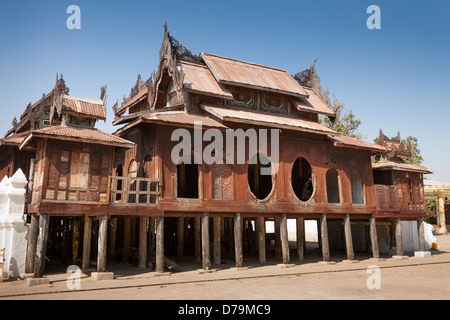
166 207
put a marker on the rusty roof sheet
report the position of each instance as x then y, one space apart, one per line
175 118
15 139
73 133
182 118
90 108
312 103
265 119
198 78
141 95
344 141
240 73
401 166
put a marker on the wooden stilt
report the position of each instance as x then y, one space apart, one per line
374 237
261 229
133 221
142 260
151 238
197 239
238 241
277 238
32 243
206 257
65 237
421 234
159 225
216 240
41 249
301 238
86 242
398 237
284 239
112 237
180 237
126 240
348 238
324 238
102 243
75 240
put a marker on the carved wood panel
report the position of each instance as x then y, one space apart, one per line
222 183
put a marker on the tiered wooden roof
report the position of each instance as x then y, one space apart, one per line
218 77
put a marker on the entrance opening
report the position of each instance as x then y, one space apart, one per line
187 180
119 173
332 186
302 179
260 184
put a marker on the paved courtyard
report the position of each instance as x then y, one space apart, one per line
389 278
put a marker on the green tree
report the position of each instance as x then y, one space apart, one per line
416 158
347 125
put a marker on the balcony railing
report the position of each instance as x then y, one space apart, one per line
125 191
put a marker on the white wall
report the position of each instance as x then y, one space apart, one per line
13 228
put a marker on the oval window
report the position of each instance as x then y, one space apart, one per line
260 177
302 179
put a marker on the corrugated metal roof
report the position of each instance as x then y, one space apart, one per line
14 140
141 95
84 107
73 133
247 74
313 103
265 119
344 141
182 118
402 166
198 78
177 118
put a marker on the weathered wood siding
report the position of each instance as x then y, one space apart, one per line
69 171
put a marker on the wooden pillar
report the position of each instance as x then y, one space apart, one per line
301 238
112 233
284 239
324 237
277 237
206 257
197 239
348 238
374 237
75 239
159 225
32 243
41 248
133 221
217 232
151 238
398 236
180 237
86 242
261 229
126 239
102 243
421 234
238 240
142 259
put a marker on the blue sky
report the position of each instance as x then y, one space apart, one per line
396 78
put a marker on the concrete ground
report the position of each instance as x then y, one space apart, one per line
389 278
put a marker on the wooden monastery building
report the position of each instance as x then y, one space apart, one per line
125 191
